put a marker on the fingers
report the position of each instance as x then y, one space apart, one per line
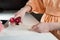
1 27
17 15
21 14
35 28
41 28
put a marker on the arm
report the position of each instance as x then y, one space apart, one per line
32 6
46 27
54 26
35 6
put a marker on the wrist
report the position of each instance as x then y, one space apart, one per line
54 26
30 7
27 8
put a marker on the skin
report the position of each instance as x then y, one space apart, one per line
40 27
1 26
46 27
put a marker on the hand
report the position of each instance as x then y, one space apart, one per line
1 26
22 12
42 27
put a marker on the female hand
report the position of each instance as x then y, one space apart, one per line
1 27
42 27
22 12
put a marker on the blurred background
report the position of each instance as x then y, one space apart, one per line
12 4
